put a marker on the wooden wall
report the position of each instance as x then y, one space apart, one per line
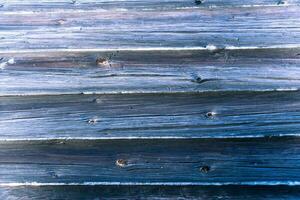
149 99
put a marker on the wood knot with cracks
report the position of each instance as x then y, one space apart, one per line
205 169
121 163
102 62
198 2
198 79
210 114
92 121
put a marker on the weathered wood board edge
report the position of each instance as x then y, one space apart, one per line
256 161
151 192
129 116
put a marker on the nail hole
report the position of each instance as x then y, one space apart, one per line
121 163
210 114
205 169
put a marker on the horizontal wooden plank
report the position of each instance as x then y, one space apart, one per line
210 115
265 161
151 192
44 5
148 71
207 115
119 24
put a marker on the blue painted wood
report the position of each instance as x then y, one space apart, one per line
42 5
151 192
149 71
129 24
212 70
264 161
206 115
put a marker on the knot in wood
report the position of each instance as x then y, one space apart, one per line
205 169
198 79
102 62
198 2
210 114
92 121
121 163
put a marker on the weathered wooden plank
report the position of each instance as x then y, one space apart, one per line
264 161
145 71
151 192
44 5
125 24
207 115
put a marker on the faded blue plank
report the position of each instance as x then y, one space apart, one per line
148 71
151 192
42 5
265 161
211 115
128 24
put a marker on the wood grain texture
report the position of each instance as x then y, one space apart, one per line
42 5
247 114
148 71
209 104
151 192
265 161
129 24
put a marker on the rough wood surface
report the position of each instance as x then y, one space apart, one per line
128 24
210 99
60 5
149 71
264 161
206 115
151 192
